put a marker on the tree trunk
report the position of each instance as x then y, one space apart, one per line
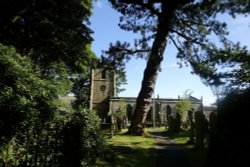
144 98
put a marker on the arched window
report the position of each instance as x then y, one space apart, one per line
169 110
104 74
129 112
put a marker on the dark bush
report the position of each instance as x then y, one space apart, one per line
230 145
71 140
82 140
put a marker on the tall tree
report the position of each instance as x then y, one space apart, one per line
44 44
48 31
53 37
188 24
24 96
184 104
54 34
113 59
234 59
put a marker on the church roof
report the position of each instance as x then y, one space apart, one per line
191 98
194 99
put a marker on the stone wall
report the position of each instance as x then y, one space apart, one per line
160 107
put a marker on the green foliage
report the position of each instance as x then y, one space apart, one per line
113 59
233 58
120 80
24 95
183 106
48 31
81 90
34 145
230 6
53 34
72 140
27 111
7 154
122 110
120 115
59 77
51 47
82 142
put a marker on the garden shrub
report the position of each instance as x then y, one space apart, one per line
82 140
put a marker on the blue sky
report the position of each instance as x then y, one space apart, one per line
172 81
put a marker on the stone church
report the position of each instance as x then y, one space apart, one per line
103 99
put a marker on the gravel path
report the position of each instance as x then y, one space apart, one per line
169 154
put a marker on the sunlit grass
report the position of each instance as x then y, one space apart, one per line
132 151
180 138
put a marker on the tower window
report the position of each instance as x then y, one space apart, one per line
102 88
103 74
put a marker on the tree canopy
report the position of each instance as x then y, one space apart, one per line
55 35
113 59
187 24
24 96
48 31
45 46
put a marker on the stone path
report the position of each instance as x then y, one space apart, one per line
169 154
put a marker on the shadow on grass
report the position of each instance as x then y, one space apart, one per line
158 133
128 157
197 157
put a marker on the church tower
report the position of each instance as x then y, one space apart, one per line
102 88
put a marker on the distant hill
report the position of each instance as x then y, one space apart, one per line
67 100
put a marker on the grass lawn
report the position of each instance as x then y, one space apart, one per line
132 151
135 151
